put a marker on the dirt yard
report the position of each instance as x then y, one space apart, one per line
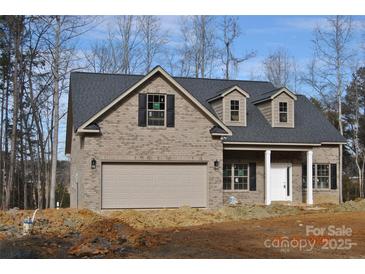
276 231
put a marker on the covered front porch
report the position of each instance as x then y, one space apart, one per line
262 175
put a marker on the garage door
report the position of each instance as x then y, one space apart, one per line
153 185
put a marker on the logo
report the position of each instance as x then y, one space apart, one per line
325 238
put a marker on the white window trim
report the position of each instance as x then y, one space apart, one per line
239 111
165 110
286 112
232 178
315 176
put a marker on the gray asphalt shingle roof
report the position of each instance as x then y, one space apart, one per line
266 95
90 92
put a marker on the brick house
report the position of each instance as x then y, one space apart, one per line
156 141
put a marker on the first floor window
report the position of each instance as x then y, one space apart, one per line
156 110
283 112
321 176
235 176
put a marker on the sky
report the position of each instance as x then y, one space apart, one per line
260 33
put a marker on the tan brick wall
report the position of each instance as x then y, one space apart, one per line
234 95
121 140
283 97
247 197
327 155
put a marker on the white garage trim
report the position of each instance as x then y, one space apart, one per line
153 184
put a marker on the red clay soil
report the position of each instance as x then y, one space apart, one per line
111 238
245 239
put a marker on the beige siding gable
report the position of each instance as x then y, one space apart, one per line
283 97
234 95
217 106
266 110
270 110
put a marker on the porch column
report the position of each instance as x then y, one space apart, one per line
309 177
267 176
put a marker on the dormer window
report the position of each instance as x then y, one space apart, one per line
283 112
230 105
155 110
235 110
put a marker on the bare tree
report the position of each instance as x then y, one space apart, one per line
198 53
354 122
56 79
152 39
127 35
280 68
330 67
333 54
63 30
6 69
17 27
36 57
231 32
104 56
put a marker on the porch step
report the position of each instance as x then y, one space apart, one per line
282 203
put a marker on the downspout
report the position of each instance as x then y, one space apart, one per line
340 176
77 189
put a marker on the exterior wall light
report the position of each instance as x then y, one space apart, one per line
93 163
216 164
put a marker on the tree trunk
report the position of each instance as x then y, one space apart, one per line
18 33
227 61
6 141
56 62
1 143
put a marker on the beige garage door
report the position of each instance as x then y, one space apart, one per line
153 185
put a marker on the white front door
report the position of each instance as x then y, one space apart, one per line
281 182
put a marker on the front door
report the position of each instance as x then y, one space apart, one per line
280 182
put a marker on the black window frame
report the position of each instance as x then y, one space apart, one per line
158 121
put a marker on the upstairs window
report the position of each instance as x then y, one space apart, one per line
283 112
235 110
155 110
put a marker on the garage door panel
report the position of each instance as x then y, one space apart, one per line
154 185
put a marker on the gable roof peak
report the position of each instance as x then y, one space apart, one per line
227 91
152 72
270 95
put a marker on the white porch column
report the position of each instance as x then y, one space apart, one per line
309 177
267 176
